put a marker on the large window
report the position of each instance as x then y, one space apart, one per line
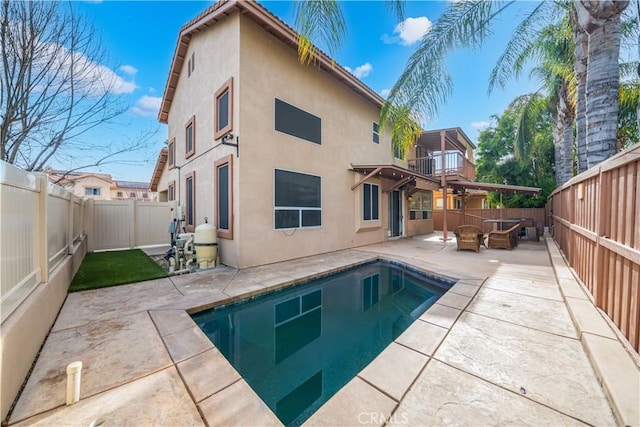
297 200
224 197
376 134
296 122
224 109
190 202
190 137
172 153
91 191
370 198
420 205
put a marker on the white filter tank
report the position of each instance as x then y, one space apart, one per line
205 241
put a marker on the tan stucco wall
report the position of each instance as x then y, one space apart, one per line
263 69
271 70
24 331
216 58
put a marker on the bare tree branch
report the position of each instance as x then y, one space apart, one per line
54 87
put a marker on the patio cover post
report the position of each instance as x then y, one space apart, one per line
443 184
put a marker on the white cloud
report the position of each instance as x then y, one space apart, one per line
147 106
409 31
385 92
91 78
480 125
361 71
129 70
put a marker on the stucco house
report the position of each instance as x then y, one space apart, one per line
286 160
101 186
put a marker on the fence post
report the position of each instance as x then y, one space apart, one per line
599 255
43 242
70 225
132 226
89 221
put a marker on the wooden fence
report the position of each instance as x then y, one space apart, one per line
596 224
478 216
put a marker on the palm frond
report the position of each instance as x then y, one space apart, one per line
318 22
424 85
405 128
529 109
520 46
396 7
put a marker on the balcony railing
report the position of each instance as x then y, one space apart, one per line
454 164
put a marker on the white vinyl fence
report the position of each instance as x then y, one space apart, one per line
129 224
39 223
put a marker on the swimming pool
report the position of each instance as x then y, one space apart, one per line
297 347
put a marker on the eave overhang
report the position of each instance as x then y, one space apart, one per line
271 24
396 173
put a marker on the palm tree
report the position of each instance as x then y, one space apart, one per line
601 21
425 85
552 46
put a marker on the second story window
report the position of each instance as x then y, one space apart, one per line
296 122
132 195
91 191
172 153
190 137
224 109
376 134
119 194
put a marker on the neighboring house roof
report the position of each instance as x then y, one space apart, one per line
67 179
132 185
270 23
157 172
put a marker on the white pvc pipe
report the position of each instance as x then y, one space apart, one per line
74 372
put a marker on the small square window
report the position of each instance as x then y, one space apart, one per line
190 137
376 135
223 110
120 194
132 195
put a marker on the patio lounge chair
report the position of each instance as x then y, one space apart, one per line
469 237
506 239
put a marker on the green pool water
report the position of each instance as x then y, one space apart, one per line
297 347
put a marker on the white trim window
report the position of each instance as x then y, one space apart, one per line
376 133
420 205
297 200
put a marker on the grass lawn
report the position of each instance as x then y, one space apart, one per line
102 269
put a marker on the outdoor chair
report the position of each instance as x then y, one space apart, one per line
469 237
505 239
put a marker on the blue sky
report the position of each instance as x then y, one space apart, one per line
140 39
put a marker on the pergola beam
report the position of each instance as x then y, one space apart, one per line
373 173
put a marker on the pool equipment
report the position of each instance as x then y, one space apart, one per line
205 244
190 251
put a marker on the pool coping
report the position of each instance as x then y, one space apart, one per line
182 350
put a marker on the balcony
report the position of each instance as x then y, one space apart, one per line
455 164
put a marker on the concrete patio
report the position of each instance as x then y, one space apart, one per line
505 346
